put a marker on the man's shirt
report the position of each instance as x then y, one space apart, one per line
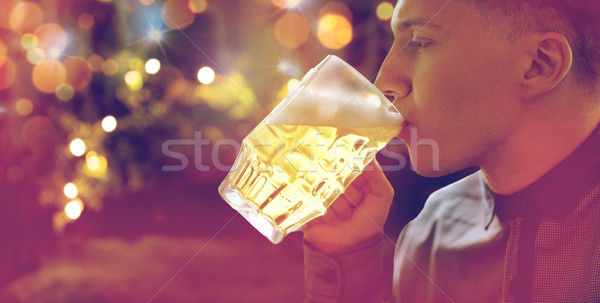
541 244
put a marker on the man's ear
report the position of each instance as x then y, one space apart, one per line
551 60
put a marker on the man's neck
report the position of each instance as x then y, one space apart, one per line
539 145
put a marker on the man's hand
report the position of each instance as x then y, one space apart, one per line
356 216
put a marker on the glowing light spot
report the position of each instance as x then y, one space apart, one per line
29 41
25 17
77 147
65 92
291 30
134 80
95 62
74 209
292 83
3 51
152 66
286 3
155 35
336 8
109 124
374 101
85 21
385 11
197 6
176 14
70 191
35 56
48 75
147 2
92 161
52 38
110 67
24 107
206 75
96 164
8 73
136 63
334 31
288 68
79 72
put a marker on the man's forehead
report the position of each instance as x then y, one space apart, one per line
430 13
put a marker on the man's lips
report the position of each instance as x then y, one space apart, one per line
404 130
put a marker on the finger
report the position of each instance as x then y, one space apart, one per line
344 206
376 181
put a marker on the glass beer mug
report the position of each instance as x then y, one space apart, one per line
307 151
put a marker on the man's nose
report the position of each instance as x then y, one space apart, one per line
393 79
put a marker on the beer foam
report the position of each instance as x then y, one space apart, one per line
315 109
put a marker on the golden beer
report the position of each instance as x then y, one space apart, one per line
290 174
309 148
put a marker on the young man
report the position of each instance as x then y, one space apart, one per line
511 86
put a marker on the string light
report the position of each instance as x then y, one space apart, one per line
109 124
152 66
70 191
77 147
206 75
74 209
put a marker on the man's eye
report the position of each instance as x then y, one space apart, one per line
417 44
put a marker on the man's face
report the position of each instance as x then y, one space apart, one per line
454 81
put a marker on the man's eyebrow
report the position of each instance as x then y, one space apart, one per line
422 22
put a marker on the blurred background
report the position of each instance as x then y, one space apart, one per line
118 121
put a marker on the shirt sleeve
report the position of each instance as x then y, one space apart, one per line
353 275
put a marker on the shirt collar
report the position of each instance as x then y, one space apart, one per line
557 193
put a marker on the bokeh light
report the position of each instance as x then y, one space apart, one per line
70 190
334 31
385 11
77 147
79 72
48 75
155 35
24 107
286 3
85 21
3 50
96 164
35 56
291 30
65 92
292 83
29 41
206 75
147 2
25 17
52 38
336 8
197 6
95 61
134 80
110 67
109 124
8 73
176 14
152 66
74 209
